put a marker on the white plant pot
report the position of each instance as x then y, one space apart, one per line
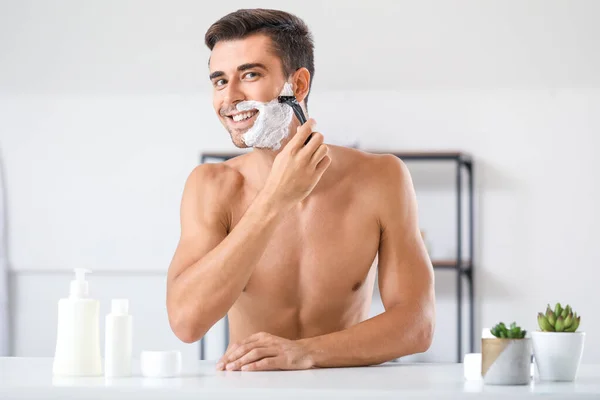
506 361
557 355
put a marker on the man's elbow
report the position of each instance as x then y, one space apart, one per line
425 329
186 335
424 335
183 326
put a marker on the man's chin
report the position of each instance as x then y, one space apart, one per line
237 142
242 145
236 138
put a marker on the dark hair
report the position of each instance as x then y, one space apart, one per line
292 41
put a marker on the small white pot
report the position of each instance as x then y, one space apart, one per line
506 361
557 354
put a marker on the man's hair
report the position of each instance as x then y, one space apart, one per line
292 41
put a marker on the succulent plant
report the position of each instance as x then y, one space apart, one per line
514 332
559 320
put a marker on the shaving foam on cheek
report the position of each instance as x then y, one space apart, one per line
288 90
271 125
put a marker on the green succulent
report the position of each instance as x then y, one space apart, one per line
559 320
513 332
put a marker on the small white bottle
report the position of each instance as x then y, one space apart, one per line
77 350
118 340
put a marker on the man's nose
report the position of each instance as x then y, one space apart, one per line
233 93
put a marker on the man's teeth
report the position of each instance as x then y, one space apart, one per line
243 116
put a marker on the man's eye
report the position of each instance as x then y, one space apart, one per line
251 75
220 82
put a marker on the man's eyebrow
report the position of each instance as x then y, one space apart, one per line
216 74
241 68
246 66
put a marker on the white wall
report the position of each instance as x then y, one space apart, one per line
105 109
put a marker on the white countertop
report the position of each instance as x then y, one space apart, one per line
32 378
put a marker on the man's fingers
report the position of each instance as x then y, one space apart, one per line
266 364
232 353
303 133
323 164
313 145
318 155
243 350
242 347
224 359
251 357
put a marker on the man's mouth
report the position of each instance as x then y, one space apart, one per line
243 116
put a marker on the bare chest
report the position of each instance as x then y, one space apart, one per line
322 249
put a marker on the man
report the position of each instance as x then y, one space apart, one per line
282 239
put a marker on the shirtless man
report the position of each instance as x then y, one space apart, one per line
283 241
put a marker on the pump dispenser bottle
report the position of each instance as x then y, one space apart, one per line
77 350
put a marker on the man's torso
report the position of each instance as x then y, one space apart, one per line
316 275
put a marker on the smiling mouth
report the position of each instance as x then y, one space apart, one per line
241 117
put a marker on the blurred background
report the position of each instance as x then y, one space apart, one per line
105 108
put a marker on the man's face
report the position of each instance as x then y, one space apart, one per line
244 69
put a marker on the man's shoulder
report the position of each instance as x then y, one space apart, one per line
216 179
377 167
381 181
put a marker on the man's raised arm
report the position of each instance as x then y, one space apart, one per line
211 266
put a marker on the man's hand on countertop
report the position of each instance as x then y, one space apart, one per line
264 352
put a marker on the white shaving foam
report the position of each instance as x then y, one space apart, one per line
272 123
287 90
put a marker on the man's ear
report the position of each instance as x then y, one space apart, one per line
301 84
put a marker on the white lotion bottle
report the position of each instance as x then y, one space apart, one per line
77 350
118 340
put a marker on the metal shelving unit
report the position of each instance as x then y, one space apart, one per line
462 266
